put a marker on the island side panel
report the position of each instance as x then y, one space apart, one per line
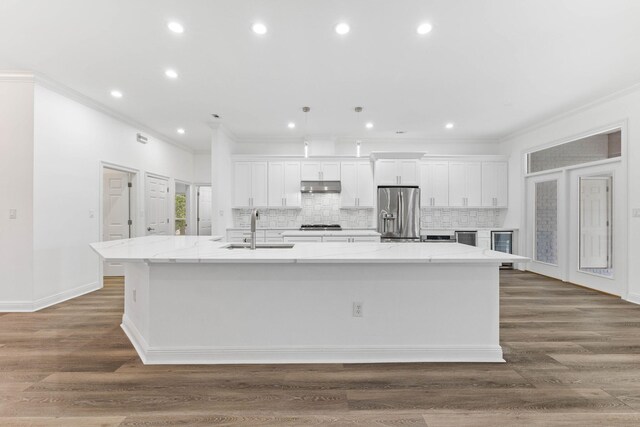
288 313
135 320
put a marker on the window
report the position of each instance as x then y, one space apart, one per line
606 145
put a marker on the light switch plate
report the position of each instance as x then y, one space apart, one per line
13 213
635 213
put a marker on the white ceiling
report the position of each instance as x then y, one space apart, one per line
490 66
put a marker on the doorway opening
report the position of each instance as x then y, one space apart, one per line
204 210
118 206
182 209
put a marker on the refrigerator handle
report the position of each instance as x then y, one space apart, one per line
400 212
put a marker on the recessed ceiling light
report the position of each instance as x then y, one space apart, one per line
291 125
180 131
116 94
259 28
172 74
342 28
369 125
176 27
449 125
424 28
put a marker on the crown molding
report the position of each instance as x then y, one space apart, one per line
95 105
572 112
265 139
17 76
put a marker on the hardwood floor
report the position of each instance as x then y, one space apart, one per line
573 359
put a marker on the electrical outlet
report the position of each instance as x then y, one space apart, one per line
134 295
357 309
13 213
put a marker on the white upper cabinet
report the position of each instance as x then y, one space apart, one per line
250 184
320 171
434 184
465 184
357 184
397 172
284 184
494 184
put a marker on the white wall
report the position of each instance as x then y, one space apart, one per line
202 168
621 107
71 141
16 189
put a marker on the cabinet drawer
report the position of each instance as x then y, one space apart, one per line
484 234
303 239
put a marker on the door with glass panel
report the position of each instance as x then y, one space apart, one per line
545 225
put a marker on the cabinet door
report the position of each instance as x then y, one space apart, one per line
310 171
457 184
365 184
330 171
276 184
349 180
474 184
259 183
502 193
386 172
242 184
408 171
434 184
292 196
489 184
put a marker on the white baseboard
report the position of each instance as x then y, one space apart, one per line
634 298
16 306
31 306
306 354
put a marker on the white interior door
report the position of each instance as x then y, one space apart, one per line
157 205
204 211
594 222
116 213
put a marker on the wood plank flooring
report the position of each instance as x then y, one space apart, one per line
573 359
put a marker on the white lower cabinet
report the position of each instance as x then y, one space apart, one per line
484 239
334 239
244 236
317 239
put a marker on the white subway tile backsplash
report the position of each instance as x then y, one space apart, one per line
445 218
325 209
316 209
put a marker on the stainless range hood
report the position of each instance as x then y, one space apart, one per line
320 187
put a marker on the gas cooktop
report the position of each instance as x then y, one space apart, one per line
313 227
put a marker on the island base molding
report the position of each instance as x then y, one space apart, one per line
187 313
306 354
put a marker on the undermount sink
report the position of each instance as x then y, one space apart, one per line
259 246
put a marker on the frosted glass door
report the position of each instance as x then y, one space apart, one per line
546 222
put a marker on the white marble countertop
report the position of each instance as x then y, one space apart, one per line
343 232
202 249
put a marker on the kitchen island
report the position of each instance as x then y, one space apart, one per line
193 300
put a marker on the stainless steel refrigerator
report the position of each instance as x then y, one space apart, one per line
399 213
